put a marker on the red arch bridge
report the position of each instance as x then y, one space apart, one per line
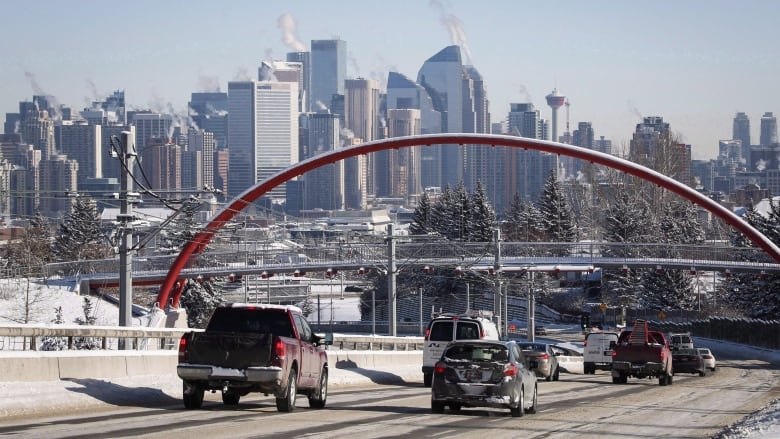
170 290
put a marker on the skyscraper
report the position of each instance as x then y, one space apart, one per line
768 129
208 111
361 116
82 142
523 171
403 93
328 70
404 163
324 186
452 91
304 88
262 133
741 132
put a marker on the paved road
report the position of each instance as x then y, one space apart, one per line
587 406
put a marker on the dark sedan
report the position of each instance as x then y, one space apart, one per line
483 373
686 360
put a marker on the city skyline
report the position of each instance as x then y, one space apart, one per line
696 64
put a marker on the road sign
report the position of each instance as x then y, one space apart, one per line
661 315
603 307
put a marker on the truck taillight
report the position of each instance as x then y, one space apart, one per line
510 370
183 349
280 349
663 355
427 334
585 343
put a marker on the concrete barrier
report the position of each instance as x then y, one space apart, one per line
30 366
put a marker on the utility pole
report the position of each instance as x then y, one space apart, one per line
125 219
391 297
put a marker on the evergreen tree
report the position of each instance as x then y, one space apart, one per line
483 218
86 343
460 210
442 221
50 343
557 219
422 221
79 236
200 299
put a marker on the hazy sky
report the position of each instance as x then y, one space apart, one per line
695 63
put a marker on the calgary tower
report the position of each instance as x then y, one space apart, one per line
555 101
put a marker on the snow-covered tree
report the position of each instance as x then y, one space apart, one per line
422 220
557 219
482 218
50 343
200 299
180 230
80 236
89 319
33 250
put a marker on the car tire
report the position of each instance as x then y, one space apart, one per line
287 402
517 412
437 407
557 374
319 396
192 395
229 398
427 379
703 373
534 402
455 407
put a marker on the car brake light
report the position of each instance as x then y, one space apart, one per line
544 356
183 349
439 367
280 349
707 357
510 370
585 343
482 334
614 354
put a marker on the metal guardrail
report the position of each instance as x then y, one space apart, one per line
30 338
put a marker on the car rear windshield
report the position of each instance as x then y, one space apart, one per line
246 320
442 330
477 353
534 347
681 339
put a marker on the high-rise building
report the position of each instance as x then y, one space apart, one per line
58 183
452 90
150 125
200 149
741 131
523 172
363 175
328 71
83 143
208 111
304 88
404 163
262 133
162 164
555 100
649 135
480 160
324 186
403 93
38 130
768 129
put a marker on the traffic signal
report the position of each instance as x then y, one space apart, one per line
585 321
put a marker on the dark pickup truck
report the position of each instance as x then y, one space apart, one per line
642 353
254 348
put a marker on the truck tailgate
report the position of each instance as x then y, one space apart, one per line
230 350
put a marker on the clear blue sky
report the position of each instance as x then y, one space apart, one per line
695 63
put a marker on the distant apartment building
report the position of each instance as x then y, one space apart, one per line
262 133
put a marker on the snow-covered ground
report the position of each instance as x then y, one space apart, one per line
19 299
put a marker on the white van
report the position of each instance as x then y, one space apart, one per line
446 328
597 351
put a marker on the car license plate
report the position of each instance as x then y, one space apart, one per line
473 374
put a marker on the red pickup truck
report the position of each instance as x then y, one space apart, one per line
254 348
642 353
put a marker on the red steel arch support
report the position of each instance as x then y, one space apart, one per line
202 239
